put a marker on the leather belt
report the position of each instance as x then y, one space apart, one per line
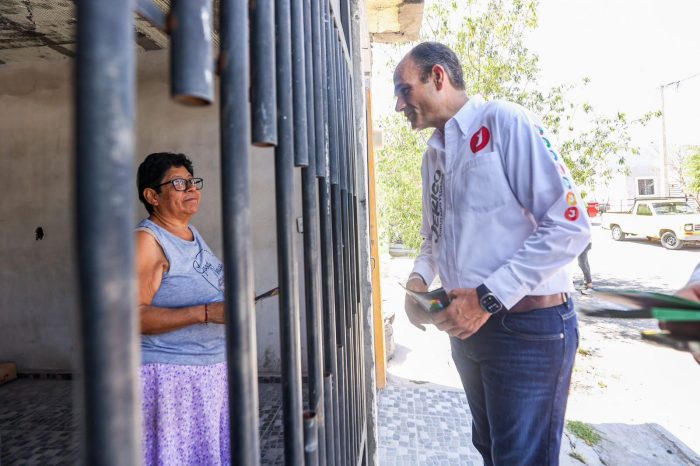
530 303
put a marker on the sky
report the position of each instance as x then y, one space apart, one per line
628 48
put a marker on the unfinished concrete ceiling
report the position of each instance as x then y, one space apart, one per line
394 20
45 30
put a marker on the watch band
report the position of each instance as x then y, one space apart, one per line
488 301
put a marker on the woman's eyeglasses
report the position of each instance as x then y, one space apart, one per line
181 184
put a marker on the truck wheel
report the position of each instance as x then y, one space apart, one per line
617 233
670 241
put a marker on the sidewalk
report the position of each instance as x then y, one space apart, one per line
640 398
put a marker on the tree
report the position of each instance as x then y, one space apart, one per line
692 165
488 37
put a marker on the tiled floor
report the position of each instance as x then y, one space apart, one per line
417 426
37 425
422 426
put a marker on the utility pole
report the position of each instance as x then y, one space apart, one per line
665 188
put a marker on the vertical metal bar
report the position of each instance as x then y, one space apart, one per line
331 102
263 88
320 109
329 315
104 225
311 430
191 54
235 204
345 20
301 154
286 259
311 222
331 438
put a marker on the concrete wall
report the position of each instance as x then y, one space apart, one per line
38 290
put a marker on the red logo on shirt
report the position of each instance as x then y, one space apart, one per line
572 214
480 139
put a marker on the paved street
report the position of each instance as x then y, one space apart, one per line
641 397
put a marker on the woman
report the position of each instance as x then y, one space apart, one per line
183 371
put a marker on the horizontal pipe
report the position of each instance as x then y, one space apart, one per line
151 13
191 54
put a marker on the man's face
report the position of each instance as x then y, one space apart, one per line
415 99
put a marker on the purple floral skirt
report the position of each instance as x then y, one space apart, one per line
185 415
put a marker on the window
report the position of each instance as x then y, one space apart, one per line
643 209
672 208
645 187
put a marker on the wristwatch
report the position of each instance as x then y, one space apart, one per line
487 300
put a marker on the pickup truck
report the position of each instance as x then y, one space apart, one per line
671 220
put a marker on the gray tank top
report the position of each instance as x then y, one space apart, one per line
195 277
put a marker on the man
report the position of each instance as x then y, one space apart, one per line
502 223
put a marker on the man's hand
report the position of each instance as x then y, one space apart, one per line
686 329
464 316
416 315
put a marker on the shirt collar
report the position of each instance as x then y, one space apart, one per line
463 117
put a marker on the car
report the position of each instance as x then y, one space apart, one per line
673 221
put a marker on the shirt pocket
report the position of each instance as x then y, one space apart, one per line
481 185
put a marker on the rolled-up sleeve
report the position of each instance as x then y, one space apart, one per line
425 264
543 185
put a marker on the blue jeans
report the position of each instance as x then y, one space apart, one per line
516 372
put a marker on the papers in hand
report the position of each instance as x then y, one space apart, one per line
646 305
430 301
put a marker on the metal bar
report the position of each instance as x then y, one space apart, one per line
301 150
329 421
331 102
105 198
329 317
286 268
311 430
263 93
191 53
236 228
320 109
311 222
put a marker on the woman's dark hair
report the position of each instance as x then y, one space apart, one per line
429 54
153 169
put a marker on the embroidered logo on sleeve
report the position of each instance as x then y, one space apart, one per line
480 139
436 190
572 213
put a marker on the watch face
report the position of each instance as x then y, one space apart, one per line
491 304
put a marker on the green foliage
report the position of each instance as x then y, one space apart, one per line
488 37
692 166
583 431
399 184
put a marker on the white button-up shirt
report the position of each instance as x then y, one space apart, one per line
499 205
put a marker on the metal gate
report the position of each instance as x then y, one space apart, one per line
297 77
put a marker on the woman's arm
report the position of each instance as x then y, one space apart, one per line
150 266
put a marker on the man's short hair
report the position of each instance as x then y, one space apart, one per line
428 54
153 169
